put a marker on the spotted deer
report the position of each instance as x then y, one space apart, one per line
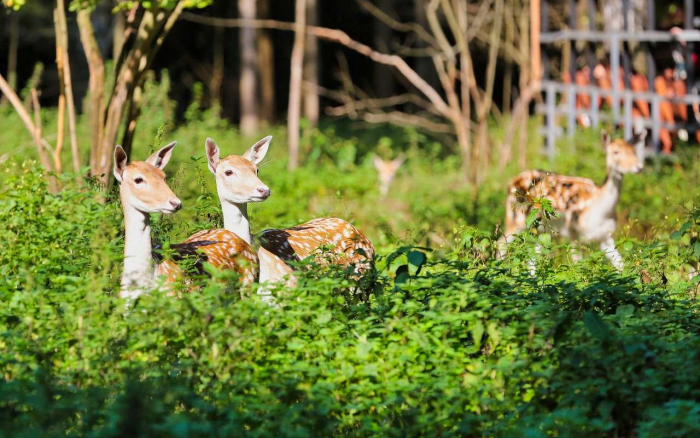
143 191
585 211
237 184
387 172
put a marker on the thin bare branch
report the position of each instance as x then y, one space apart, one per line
385 18
344 39
27 120
405 119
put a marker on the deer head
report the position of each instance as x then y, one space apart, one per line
142 183
621 156
237 176
387 172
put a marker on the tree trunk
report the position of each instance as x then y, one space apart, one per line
382 78
218 65
153 28
12 50
295 83
525 78
96 86
248 81
67 82
311 68
266 67
118 32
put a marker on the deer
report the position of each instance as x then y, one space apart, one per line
144 191
387 172
238 184
585 211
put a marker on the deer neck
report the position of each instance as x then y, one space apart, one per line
236 219
138 263
610 190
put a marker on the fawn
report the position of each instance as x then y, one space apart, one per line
387 172
586 212
143 191
238 184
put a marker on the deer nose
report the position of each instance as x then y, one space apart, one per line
177 204
264 192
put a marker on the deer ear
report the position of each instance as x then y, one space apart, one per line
258 151
398 161
377 162
606 139
213 154
119 163
161 157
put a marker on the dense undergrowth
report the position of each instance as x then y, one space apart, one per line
455 343
451 342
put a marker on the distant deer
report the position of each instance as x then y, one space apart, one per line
143 191
387 172
238 184
586 212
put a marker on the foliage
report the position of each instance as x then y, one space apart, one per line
452 343
445 339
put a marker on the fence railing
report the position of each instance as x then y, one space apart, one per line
553 110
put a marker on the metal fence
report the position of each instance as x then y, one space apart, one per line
555 107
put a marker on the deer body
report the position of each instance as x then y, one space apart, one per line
586 212
348 245
143 191
238 184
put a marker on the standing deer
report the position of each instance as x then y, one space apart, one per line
237 184
143 191
387 172
586 212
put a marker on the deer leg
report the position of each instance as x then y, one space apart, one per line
576 253
608 246
265 280
532 263
502 248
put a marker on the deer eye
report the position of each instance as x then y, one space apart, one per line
228 173
138 180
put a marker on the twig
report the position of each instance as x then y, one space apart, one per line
342 38
26 119
385 18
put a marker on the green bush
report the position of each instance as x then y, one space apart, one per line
443 340
451 343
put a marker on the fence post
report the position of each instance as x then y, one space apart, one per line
595 118
551 120
628 115
615 72
571 125
655 119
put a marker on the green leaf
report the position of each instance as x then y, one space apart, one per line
545 239
595 324
402 275
477 333
494 333
696 249
531 218
625 310
417 259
